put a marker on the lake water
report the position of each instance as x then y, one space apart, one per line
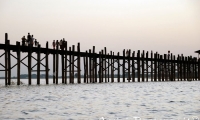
101 101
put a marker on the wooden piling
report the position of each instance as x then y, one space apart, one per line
199 69
29 64
87 66
152 66
6 59
165 67
105 71
133 66
155 67
138 65
184 68
66 63
47 63
38 65
54 68
57 65
78 63
147 67
171 77
129 66
108 69
100 67
143 66
93 65
118 70
123 66
62 65
70 66
90 63
9 64
18 63
73 50
112 67
159 68
181 67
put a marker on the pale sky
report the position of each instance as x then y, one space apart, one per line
157 25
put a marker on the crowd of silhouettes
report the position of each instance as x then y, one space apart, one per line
62 44
30 40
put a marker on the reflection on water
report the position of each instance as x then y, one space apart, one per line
152 100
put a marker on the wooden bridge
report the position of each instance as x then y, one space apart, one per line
100 67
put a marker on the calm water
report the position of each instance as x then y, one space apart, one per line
113 101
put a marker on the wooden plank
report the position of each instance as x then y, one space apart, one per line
38 66
18 63
133 67
47 63
118 68
6 59
105 71
123 66
138 65
79 64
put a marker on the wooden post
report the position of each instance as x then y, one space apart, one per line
196 63
143 66
6 59
66 62
181 67
108 69
70 66
138 65
79 64
93 65
118 70
199 69
87 66
123 66
168 67
155 67
172 70
18 62
57 65
133 66
151 66
129 66
147 67
100 67
90 63
9 63
29 64
112 67
184 68
105 65
178 68
38 65
62 65
73 49
165 67
47 63
54 68
84 62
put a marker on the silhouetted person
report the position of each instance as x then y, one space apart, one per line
61 44
23 41
36 43
32 40
64 44
28 39
54 44
57 43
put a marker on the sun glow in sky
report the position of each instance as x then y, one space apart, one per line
157 25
